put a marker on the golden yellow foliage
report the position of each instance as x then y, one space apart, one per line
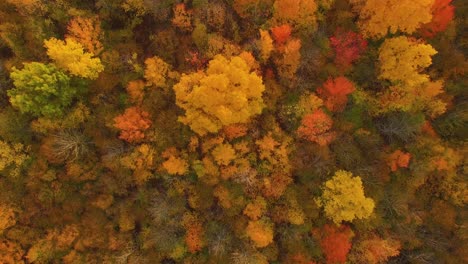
224 154
403 59
12 157
378 17
141 161
156 71
298 13
87 32
260 232
266 45
343 198
226 93
174 164
69 55
7 217
256 208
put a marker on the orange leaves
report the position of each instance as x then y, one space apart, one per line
182 17
376 250
235 131
194 232
255 209
315 127
281 33
87 32
133 123
260 232
135 90
174 164
398 159
334 92
442 15
336 243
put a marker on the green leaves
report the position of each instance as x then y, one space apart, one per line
41 90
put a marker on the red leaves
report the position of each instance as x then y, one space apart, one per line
334 93
335 243
348 47
315 127
132 123
442 15
281 33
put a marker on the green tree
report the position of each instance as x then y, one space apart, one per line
41 90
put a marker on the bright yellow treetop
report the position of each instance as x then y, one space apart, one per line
226 93
378 17
343 198
69 55
402 60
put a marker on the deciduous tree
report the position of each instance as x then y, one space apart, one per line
442 14
41 89
316 127
348 47
335 243
377 18
343 198
226 93
69 55
260 232
335 93
132 124
87 32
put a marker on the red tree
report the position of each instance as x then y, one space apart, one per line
442 15
348 46
133 123
334 93
315 127
281 33
336 243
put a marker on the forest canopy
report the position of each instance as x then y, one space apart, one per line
236 131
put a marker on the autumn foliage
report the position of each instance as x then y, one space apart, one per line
442 14
398 159
348 47
281 33
335 243
316 127
335 92
132 124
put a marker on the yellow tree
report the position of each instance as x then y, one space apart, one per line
156 71
226 93
403 59
343 198
266 45
69 55
87 32
260 232
379 17
298 13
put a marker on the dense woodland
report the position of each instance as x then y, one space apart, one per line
233 131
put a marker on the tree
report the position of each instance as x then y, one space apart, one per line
156 71
69 55
87 32
374 250
266 45
289 59
7 217
348 46
442 14
182 17
300 14
41 89
334 93
281 34
226 93
133 123
379 17
398 159
194 234
403 59
174 164
260 232
315 127
343 198
256 208
335 243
